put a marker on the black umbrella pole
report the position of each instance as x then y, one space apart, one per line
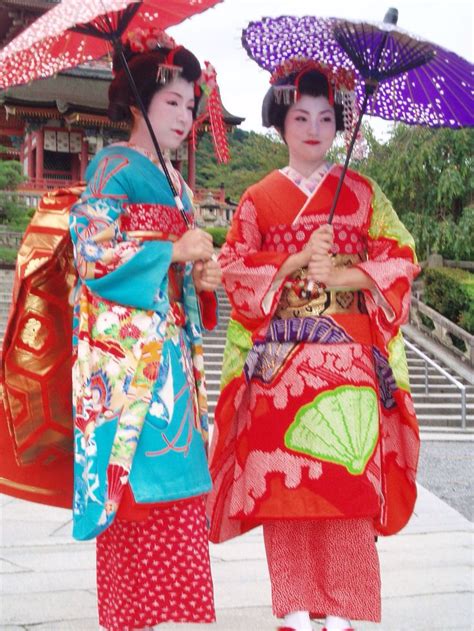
159 153
348 157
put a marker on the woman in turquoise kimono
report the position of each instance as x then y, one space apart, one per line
145 291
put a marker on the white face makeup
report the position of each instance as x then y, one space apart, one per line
310 129
171 113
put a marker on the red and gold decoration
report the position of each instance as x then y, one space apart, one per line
36 431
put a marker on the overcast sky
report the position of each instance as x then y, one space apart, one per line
215 36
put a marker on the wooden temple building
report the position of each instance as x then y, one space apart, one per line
54 126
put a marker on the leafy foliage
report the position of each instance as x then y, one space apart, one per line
218 235
8 255
451 292
252 157
423 169
10 174
428 175
12 211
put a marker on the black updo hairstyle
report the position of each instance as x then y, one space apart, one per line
312 83
144 69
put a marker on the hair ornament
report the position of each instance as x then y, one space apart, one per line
145 40
208 80
214 111
168 70
285 82
285 94
341 79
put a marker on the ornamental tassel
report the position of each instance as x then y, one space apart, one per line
218 129
167 73
284 94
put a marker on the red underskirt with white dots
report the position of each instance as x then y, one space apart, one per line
156 570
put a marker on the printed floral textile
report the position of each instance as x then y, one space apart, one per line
157 570
138 382
315 418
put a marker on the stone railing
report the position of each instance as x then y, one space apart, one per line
10 239
469 265
443 330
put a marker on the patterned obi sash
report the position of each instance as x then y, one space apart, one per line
152 222
297 301
157 222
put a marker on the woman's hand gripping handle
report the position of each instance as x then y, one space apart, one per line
196 246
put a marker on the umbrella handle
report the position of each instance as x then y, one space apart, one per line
159 153
368 92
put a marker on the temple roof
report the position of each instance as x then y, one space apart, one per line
83 89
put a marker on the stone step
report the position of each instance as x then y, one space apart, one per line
441 392
435 377
427 406
436 420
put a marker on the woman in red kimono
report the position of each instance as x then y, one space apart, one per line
315 432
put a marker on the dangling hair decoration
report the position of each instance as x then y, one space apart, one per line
168 71
285 94
207 84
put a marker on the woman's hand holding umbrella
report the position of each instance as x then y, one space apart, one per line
207 275
194 245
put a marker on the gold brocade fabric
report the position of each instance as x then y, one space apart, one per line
298 301
37 429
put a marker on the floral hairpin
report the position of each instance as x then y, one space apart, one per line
208 80
146 40
207 85
341 79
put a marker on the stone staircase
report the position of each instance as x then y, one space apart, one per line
439 405
440 408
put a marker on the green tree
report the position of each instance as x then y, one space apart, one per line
252 157
428 176
422 170
12 211
10 174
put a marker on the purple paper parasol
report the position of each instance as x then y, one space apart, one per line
420 83
400 77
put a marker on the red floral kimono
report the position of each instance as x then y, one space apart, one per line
315 418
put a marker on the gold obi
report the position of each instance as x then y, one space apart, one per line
297 301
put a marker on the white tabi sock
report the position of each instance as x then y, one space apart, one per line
298 620
334 623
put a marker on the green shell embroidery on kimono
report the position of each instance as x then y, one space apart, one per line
398 361
238 344
325 429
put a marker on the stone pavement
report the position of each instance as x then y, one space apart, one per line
48 581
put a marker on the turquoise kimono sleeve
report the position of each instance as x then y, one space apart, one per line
124 271
141 282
